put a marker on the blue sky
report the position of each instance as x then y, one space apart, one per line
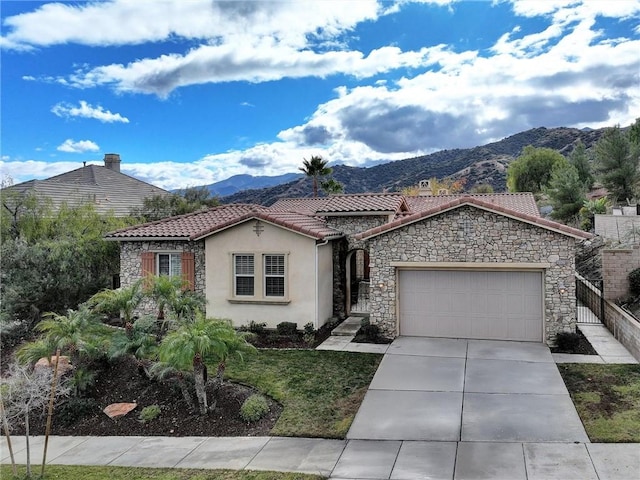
190 92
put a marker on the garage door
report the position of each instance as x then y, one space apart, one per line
471 304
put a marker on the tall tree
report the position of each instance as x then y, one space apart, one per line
617 164
315 167
531 171
579 159
566 191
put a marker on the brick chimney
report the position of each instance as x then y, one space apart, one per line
112 161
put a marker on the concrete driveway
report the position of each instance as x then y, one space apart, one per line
438 389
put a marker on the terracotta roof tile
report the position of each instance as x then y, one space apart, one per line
349 203
520 202
200 224
457 201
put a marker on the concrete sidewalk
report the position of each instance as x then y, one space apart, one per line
348 459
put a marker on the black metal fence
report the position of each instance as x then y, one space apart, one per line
589 300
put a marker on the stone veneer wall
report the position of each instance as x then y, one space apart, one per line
349 225
616 266
131 264
469 234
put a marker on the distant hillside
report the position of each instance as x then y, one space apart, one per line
484 164
239 183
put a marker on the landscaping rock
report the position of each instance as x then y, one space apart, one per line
64 364
116 410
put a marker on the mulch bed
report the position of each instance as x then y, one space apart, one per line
123 382
582 348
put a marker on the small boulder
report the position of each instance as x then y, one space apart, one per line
64 364
117 410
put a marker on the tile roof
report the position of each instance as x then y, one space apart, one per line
108 190
197 225
520 202
304 215
348 203
475 201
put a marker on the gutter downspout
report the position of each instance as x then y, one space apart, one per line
316 321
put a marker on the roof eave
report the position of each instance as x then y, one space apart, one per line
148 239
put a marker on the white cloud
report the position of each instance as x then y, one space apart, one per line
81 146
87 111
127 22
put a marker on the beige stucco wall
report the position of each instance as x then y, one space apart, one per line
299 304
469 234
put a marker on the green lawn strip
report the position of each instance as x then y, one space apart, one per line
607 398
65 472
320 390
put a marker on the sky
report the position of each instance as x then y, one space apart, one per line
191 92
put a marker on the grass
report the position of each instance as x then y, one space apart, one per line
320 390
607 398
64 472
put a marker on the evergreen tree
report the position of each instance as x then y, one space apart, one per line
617 164
566 191
579 159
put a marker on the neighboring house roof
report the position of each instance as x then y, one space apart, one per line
520 202
197 225
399 204
107 189
474 201
357 204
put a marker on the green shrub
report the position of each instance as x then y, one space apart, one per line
81 380
286 328
149 413
365 322
257 328
567 341
309 334
634 281
254 408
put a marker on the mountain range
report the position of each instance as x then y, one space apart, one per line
486 164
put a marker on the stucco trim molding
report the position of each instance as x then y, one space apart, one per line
470 266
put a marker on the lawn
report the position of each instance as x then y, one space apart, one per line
607 398
63 472
320 390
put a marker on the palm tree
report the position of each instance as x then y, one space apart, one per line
123 300
78 333
163 289
314 168
188 348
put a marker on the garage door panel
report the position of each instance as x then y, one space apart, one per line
471 304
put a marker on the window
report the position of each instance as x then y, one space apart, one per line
169 264
244 275
274 275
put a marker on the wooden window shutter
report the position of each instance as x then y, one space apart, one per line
148 266
189 269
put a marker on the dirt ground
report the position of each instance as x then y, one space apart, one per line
124 382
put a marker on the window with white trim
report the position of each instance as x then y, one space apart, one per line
274 273
244 275
169 264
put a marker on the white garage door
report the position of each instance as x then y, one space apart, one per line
471 304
